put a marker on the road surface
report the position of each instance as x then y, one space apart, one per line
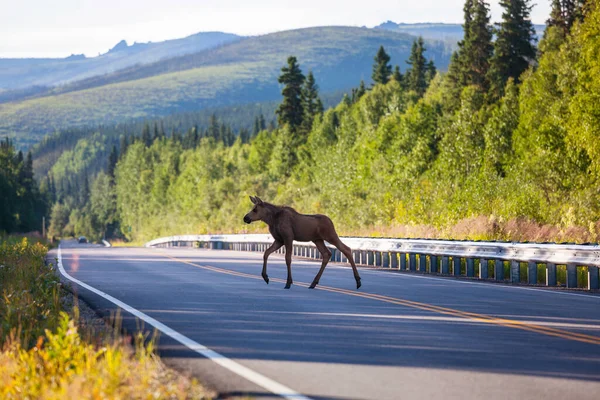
401 336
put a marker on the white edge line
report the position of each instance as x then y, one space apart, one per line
247 373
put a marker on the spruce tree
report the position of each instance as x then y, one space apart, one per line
397 75
415 75
514 50
244 135
146 138
359 92
381 69
123 144
478 49
113 158
430 72
256 127
213 127
290 111
156 133
310 101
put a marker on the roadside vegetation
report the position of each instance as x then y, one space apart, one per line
46 354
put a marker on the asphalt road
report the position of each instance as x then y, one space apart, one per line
401 336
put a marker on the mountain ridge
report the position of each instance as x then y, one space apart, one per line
240 72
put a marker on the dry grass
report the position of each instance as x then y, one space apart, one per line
487 228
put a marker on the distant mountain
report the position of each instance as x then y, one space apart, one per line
17 73
240 72
437 31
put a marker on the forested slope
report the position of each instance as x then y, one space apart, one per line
510 153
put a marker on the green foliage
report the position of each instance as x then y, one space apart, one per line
29 290
291 109
514 50
21 203
381 68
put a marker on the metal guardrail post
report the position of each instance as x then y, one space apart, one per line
403 261
515 271
456 266
483 268
499 270
550 274
571 275
394 260
445 265
433 264
532 273
412 262
470 267
422 263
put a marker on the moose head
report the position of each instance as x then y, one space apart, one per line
258 212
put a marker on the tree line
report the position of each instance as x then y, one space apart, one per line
22 205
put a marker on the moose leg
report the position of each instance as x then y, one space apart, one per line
274 247
348 253
288 262
326 256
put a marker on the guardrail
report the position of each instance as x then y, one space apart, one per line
531 263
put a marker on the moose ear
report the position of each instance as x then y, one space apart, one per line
258 201
253 200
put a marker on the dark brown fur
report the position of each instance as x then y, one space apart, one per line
286 225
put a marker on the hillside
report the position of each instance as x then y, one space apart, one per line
244 71
23 73
451 33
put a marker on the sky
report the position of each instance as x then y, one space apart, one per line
59 28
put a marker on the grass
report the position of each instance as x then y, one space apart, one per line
43 354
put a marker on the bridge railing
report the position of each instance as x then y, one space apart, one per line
532 263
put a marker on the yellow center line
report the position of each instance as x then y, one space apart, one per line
482 318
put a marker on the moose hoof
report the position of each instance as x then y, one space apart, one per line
312 285
358 284
288 285
266 278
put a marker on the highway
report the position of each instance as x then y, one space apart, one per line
401 336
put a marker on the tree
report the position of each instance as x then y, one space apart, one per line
244 135
514 50
418 68
123 144
381 69
430 72
290 111
477 48
146 138
213 127
113 158
359 92
103 202
397 75
311 103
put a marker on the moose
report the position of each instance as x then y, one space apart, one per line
286 225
